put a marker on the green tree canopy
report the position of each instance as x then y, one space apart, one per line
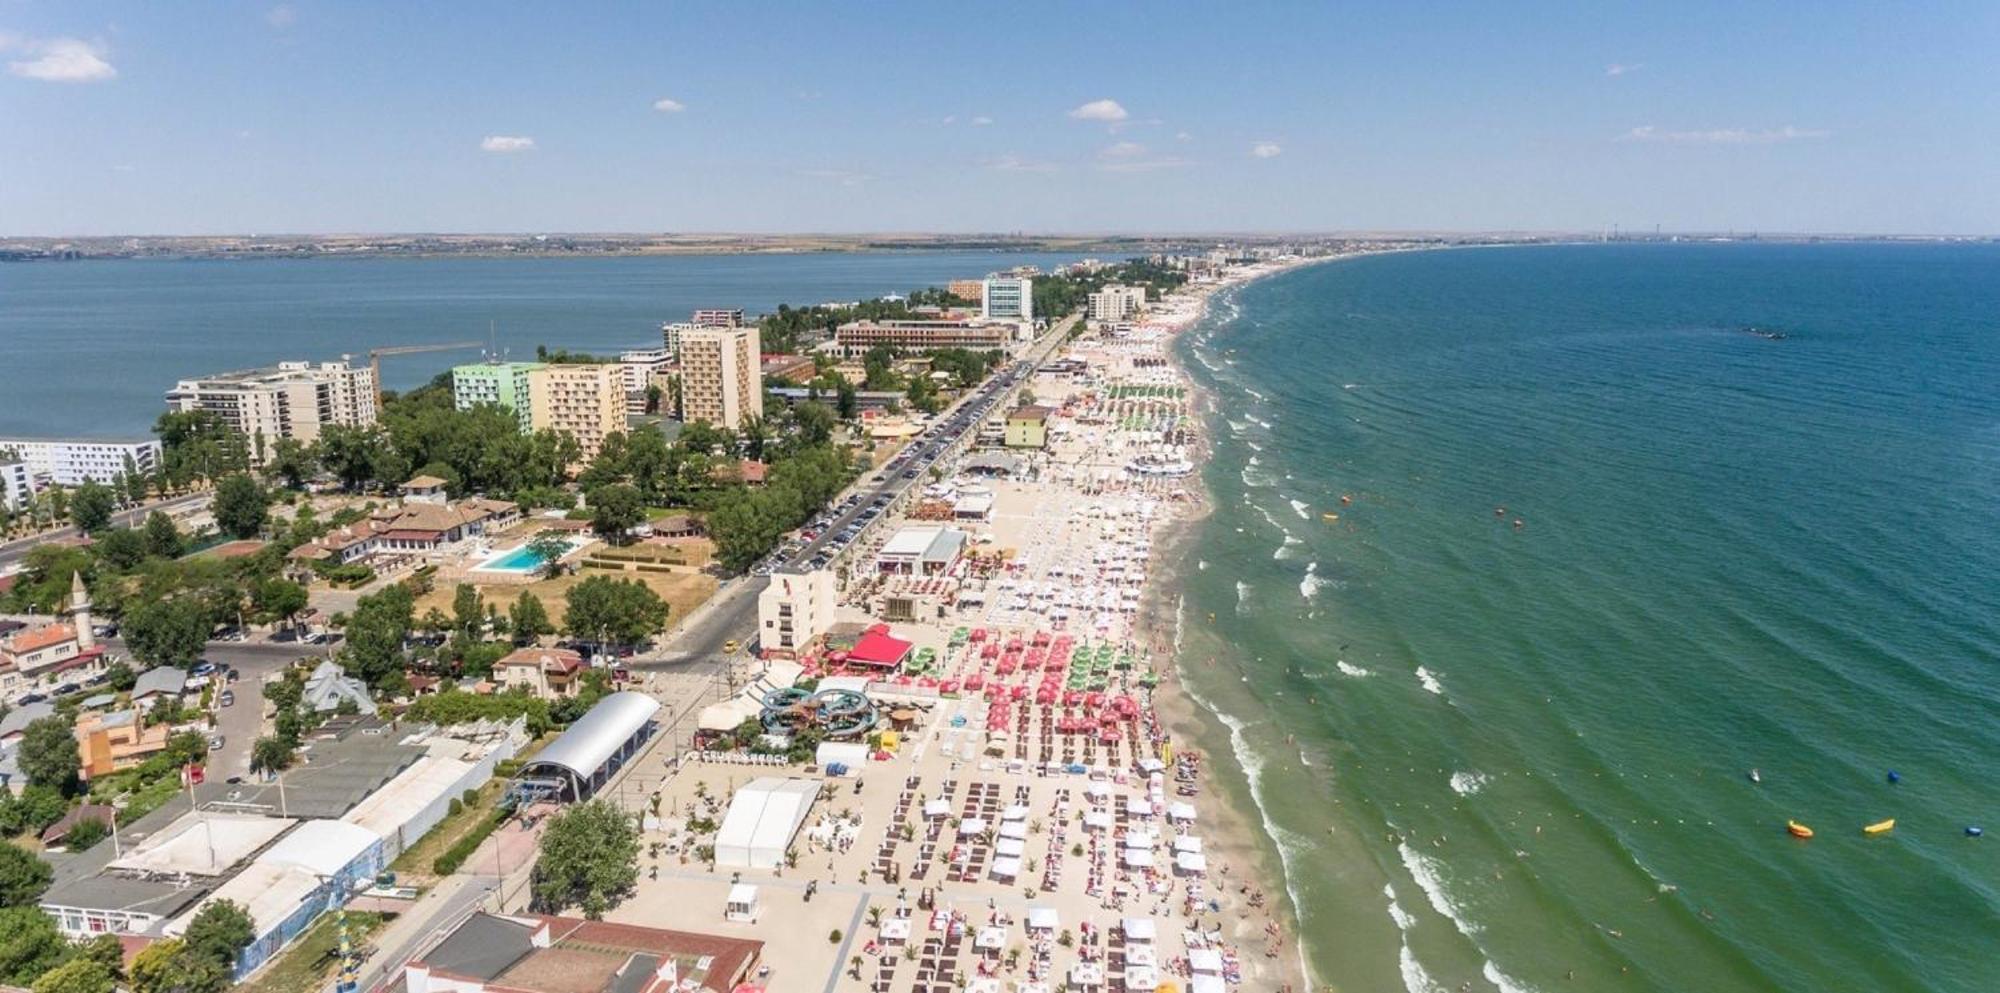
163 538
219 932
166 632
30 945
529 619
241 506
616 611
23 876
589 859
616 509
82 974
171 967
376 632
48 754
91 505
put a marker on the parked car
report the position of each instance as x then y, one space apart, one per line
227 699
215 742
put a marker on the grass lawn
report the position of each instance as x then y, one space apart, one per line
682 591
413 867
310 962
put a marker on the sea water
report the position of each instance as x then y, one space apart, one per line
1605 549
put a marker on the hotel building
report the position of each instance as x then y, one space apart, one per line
857 337
720 376
289 400
588 401
1007 298
40 462
505 383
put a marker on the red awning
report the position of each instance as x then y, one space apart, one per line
879 648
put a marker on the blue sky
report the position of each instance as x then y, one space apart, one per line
313 115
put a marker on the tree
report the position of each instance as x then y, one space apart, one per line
220 932
166 632
468 620
548 548
82 974
291 461
615 510
90 507
277 599
846 401
376 632
123 548
589 859
48 754
23 876
611 610
171 967
163 539
815 423
529 619
30 945
270 754
241 506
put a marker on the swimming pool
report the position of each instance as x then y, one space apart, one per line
521 559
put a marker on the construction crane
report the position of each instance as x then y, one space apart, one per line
375 359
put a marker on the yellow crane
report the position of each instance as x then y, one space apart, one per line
375 359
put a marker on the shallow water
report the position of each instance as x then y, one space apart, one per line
1520 753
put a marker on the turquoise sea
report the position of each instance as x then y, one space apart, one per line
1517 758
91 347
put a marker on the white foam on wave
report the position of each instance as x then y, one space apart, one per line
1236 426
1254 393
1201 564
1254 446
1267 425
1351 670
1416 979
1429 681
1254 460
1242 595
1425 870
1467 783
1506 983
1285 550
1301 508
1312 583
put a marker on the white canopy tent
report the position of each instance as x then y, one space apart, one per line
763 816
1139 928
742 903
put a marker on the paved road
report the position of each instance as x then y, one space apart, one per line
18 549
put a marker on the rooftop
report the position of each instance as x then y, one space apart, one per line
585 956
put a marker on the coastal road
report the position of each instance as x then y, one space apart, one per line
18 549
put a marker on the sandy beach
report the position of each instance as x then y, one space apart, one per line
1047 813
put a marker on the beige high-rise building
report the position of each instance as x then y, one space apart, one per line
288 400
721 379
588 401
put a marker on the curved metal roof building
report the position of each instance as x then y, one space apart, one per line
596 745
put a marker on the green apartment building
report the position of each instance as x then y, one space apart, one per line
504 383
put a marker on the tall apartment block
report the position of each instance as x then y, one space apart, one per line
588 401
1007 298
504 383
289 400
721 380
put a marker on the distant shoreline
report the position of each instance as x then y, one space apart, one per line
524 246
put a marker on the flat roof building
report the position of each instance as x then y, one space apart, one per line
857 337
505 383
491 953
289 400
1117 303
721 376
718 318
42 462
793 609
642 368
596 746
921 550
588 401
1007 298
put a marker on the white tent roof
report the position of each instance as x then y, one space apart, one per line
202 844
1203 982
852 684
937 808
1191 862
1096 820
1187 843
743 895
1181 811
1044 918
1138 857
1204 960
323 847
1011 846
853 753
727 715
1139 928
1138 807
600 733
1015 812
763 816
1006 867
971 826
1013 829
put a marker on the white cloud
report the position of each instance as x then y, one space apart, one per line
1265 150
1015 163
950 119
281 16
669 105
506 143
981 121
1130 156
1123 150
58 60
1722 136
1621 68
1183 136
1099 110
